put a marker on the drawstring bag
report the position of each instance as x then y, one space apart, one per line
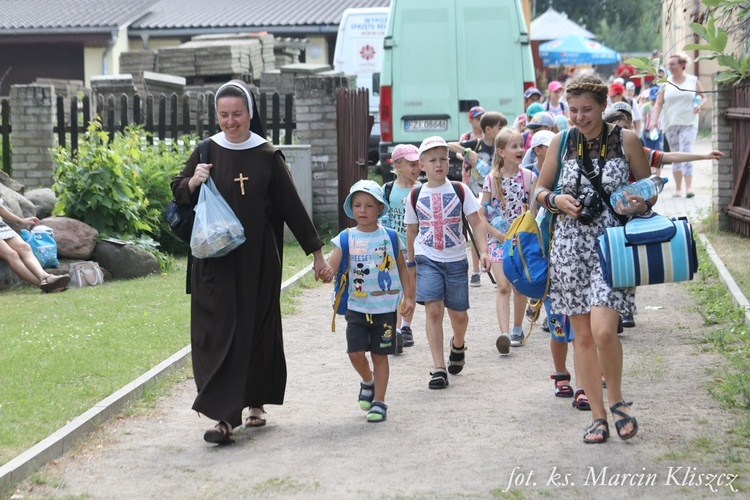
216 230
43 245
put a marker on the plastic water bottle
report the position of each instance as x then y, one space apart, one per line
495 219
645 188
654 134
482 168
696 101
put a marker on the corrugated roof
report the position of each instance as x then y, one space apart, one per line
552 25
68 15
180 14
19 16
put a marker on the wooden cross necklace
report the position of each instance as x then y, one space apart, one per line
241 179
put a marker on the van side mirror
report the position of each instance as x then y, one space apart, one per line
376 84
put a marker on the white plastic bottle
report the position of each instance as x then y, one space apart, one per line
645 188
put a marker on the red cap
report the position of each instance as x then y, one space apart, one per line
616 88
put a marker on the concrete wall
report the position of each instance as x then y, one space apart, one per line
298 159
722 171
315 102
33 120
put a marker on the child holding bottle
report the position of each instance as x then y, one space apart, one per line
506 191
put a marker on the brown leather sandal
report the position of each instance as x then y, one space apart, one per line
221 433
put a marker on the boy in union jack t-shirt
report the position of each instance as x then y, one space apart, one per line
436 250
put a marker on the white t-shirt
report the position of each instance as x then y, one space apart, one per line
678 103
374 284
440 237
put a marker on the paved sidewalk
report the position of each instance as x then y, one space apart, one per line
497 427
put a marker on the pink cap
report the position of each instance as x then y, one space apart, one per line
554 86
408 152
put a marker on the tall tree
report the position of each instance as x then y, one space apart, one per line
623 25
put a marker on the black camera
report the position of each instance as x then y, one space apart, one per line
592 206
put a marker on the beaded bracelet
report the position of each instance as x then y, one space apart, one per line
550 205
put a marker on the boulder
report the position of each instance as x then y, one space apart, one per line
44 200
8 279
75 239
125 260
11 184
16 204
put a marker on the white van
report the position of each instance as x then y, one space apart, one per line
359 51
442 57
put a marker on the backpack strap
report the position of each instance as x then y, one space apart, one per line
414 196
393 235
342 276
203 148
387 188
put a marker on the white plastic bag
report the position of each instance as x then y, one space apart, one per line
216 230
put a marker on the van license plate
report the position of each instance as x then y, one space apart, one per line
419 125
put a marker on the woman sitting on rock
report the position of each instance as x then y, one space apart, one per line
18 255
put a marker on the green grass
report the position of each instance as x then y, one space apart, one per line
64 352
730 337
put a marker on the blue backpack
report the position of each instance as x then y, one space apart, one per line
341 284
526 246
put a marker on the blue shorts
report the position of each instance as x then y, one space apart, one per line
560 329
447 282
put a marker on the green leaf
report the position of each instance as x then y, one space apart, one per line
727 77
695 46
719 43
700 30
729 61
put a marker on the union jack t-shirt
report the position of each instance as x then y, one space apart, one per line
438 213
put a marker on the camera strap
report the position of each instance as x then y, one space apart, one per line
586 165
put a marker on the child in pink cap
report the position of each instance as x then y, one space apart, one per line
554 105
405 158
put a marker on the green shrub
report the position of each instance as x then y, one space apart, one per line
121 188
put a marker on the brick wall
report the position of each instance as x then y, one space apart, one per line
33 119
722 169
315 103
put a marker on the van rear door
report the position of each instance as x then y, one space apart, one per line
426 91
494 56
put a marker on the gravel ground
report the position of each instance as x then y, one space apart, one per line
497 429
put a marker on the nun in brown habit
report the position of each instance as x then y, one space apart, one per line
235 324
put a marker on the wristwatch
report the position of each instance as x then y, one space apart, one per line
410 263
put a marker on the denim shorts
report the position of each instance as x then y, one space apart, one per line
447 282
371 332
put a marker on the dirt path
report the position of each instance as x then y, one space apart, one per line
498 427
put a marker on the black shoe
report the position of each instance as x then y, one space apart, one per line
627 320
545 325
399 343
408 336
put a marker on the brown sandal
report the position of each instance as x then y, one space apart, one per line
255 419
219 434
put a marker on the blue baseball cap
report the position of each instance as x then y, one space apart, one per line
365 186
653 92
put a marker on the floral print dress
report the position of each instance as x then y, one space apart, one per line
516 194
577 283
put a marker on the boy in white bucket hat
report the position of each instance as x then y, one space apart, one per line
376 279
